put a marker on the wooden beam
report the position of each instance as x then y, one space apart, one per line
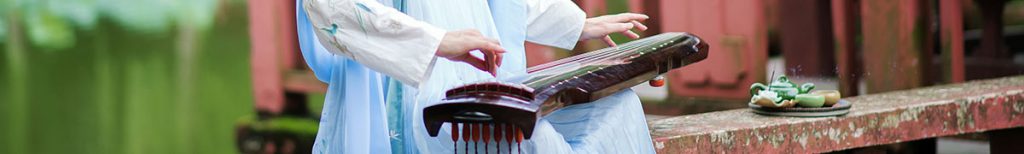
845 15
885 118
951 32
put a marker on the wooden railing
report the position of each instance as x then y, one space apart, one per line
893 117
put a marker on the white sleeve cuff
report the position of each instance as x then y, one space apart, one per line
557 23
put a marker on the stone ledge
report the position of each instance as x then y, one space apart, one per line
875 119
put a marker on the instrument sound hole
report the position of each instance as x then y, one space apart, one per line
473 116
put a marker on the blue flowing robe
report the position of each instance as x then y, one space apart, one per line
355 112
353 119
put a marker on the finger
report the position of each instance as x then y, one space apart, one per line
492 61
493 57
618 27
490 47
474 61
631 34
638 25
498 55
626 17
498 58
608 40
492 66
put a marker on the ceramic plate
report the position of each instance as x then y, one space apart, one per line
840 108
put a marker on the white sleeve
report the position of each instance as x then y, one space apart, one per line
376 36
557 23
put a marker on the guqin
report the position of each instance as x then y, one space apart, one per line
508 110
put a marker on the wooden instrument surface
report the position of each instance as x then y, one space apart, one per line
516 105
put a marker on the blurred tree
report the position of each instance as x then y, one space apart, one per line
51 24
48 31
122 76
3 27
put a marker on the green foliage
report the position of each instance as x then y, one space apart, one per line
115 90
616 7
51 24
3 28
295 125
49 31
81 13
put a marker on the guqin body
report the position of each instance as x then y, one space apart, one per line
510 109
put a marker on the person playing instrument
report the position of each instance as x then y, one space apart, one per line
425 47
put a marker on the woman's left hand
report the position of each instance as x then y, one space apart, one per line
601 27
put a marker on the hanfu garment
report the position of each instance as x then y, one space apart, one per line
353 119
614 124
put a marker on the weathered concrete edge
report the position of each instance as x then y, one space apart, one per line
977 111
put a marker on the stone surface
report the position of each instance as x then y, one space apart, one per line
875 119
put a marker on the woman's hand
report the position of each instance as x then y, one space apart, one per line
601 27
456 46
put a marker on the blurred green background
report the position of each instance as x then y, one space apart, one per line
123 76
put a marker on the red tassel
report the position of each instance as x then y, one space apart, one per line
455 137
509 133
466 129
519 139
476 136
498 134
455 132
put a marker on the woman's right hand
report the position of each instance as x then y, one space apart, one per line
456 46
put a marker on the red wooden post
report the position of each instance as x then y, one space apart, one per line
846 14
992 58
279 75
265 37
844 17
952 36
806 38
897 44
738 38
653 10
992 33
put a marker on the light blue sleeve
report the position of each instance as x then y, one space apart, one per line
353 119
317 57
